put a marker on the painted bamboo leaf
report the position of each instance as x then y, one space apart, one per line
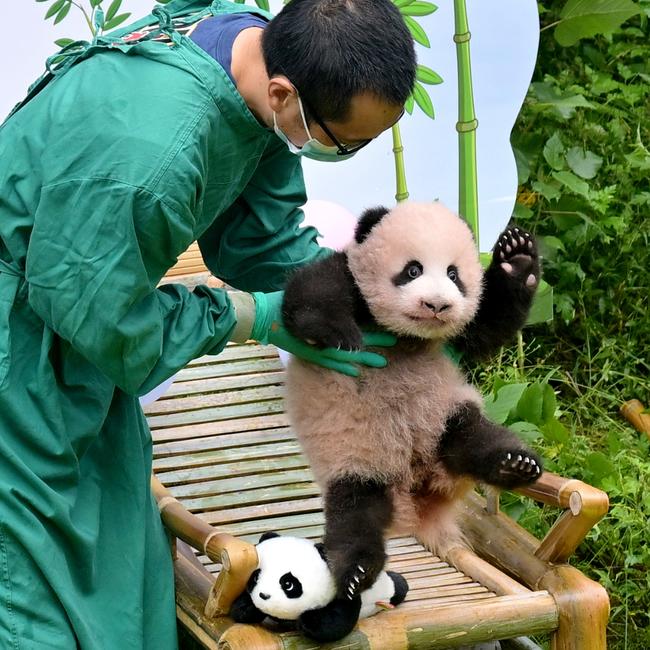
409 104
94 3
586 18
418 8
118 20
55 8
263 4
62 42
63 13
423 100
112 10
397 3
417 31
427 76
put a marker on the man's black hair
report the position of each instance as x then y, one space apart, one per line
333 50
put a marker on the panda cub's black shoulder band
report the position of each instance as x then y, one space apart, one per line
368 220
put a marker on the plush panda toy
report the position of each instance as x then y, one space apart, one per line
395 449
293 583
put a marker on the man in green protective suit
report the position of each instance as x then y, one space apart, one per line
129 149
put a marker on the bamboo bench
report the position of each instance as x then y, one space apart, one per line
227 468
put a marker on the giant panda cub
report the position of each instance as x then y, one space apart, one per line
395 449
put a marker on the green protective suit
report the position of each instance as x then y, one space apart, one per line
107 173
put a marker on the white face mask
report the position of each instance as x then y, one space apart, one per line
313 148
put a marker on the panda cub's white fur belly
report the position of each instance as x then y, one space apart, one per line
386 424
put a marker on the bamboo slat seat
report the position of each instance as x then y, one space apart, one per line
229 462
228 468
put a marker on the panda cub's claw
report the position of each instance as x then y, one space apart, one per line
354 582
519 468
516 253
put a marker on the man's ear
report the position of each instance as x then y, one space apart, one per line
280 92
368 220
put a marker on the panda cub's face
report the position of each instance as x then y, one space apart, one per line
419 271
292 577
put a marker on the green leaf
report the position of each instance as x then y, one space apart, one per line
551 244
402 3
572 182
599 465
554 152
95 3
427 75
563 104
541 310
112 10
498 406
586 18
418 8
526 431
118 20
583 163
423 100
62 42
417 31
63 13
555 431
409 104
55 8
549 403
549 191
531 403
263 4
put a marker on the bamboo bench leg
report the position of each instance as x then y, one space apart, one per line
583 607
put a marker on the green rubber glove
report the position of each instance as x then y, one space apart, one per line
269 328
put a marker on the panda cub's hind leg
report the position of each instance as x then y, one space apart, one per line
357 513
472 445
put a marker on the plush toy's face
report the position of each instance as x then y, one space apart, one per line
418 270
292 577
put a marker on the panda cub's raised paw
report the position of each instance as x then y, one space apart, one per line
516 253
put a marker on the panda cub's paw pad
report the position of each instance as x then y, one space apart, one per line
516 252
520 465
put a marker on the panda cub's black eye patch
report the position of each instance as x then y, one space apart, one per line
410 272
454 276
291 586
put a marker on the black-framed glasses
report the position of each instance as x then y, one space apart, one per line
342 149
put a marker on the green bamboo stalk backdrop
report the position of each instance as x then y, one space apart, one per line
467 123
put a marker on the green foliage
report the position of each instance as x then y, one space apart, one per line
582 149
586 18
425 75
98 20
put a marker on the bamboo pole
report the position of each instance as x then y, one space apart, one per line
633 412
467 123
238 559
400 171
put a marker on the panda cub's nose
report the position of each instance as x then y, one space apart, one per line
264 596
436 309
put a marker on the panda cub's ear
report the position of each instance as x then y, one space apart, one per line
368 220
320 547
266 536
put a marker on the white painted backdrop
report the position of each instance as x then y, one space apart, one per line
503 46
